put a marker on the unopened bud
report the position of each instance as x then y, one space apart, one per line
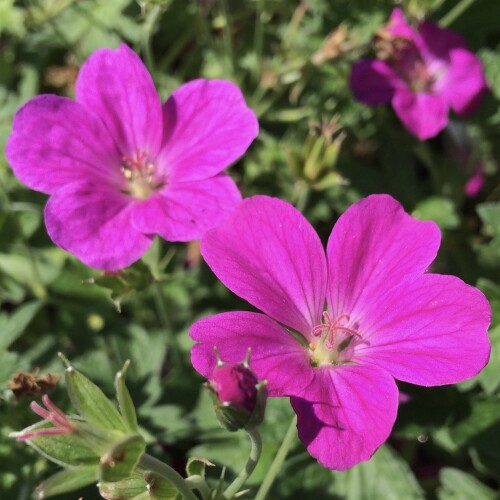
239 396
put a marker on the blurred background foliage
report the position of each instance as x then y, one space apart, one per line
318 149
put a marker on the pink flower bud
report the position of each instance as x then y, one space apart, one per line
239 396
236 384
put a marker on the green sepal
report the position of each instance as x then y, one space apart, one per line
67 480
125 403
125 282
234 418
91 403
313 166
66 449
196 466
133 487
159 488
121 460
231 417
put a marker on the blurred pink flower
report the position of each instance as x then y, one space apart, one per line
119 167
476 182
428 71
338 329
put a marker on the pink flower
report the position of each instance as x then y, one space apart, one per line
428 71
119 167
337 330
476 182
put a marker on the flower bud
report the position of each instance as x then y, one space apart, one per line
239 397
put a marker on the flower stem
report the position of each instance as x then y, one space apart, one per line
152 464
148 28
455 13
198 483
258 41
278 461
227 37
172 344
255 452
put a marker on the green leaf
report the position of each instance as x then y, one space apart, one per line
120 462
440 210
458 485
385 476
489 378
490 216
125 403
67 480
91 402
11 328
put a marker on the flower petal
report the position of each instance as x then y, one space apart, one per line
116 86
275 355
373 81
208 126
185 211
56 141
424 115
94 223
349 412
398 26
438 42
267 253
431 331
374 247
464 83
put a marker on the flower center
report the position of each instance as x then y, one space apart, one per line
141 175
410 65
334 337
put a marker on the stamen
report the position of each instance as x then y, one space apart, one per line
332 327
62 424
139 170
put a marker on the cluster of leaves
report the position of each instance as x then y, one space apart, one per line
317 148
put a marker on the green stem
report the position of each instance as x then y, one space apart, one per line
255 452
455 13
278 461
258 41
160 307
152 464
198 483
149 26
227 37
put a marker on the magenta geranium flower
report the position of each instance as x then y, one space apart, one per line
337 330
427 71
119 167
